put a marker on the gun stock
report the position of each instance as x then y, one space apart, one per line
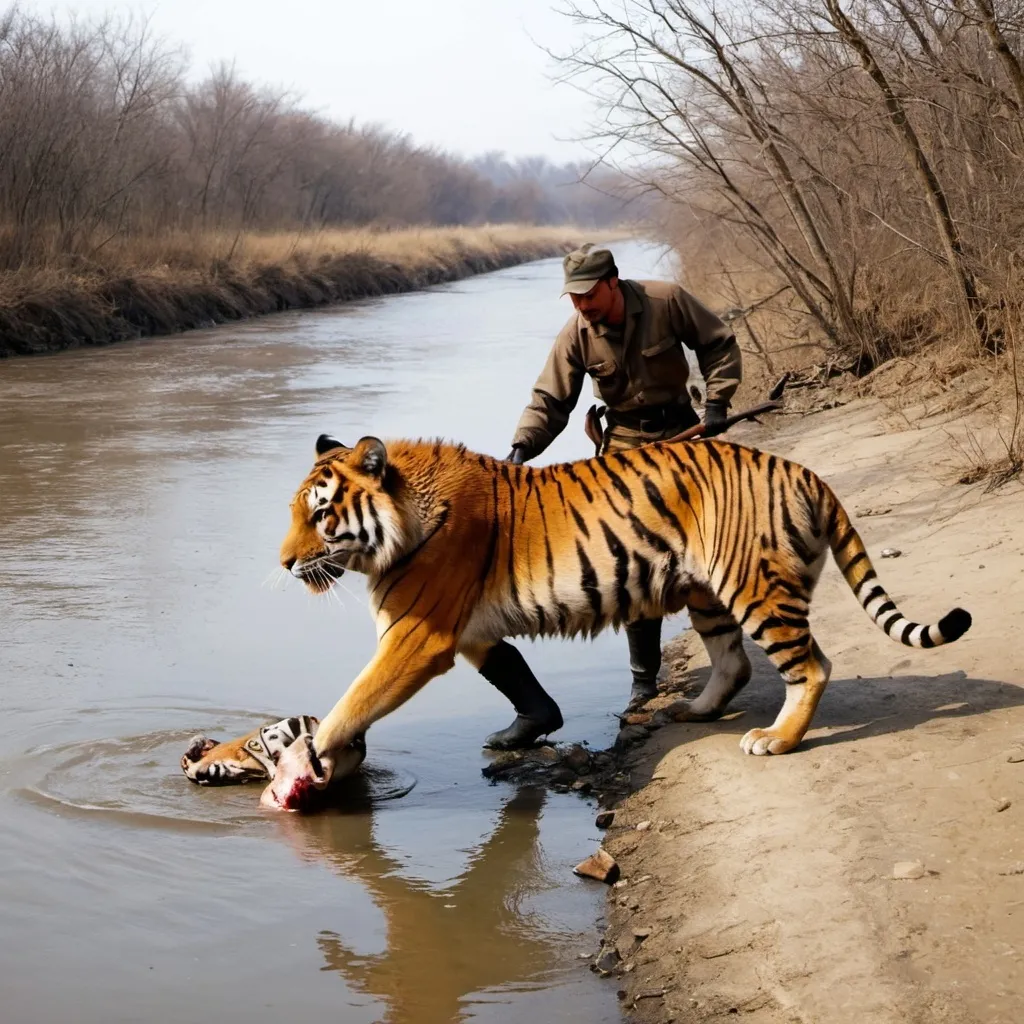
730 421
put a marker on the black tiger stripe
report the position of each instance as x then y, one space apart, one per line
580 522
549 557
784 645
643 574
812 508
700 471
646 458
391 586
394 622
884 609
561 493
424 620
907 630
357 507
797 659
563 617
844 540
769 622
750 609
867 578
492 542
796 539
617 482
588 582
645 534
791 609
856 560
574 477
513 584
655 498
621 556
529 490
773 464
681 488
890 622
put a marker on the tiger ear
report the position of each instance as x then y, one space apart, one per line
326 443
370 456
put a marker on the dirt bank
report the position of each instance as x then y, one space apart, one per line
767 884
171 288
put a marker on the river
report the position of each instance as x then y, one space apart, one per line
143 495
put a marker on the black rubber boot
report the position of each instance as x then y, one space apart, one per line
644 639
537 713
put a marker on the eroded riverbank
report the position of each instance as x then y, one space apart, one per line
55 310
769 889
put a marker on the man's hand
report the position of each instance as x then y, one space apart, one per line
714 417
517 456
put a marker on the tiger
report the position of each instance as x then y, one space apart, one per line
461 550
252 756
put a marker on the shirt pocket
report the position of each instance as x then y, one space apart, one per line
664 365
609 381
660 346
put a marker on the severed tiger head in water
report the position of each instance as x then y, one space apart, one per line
253 756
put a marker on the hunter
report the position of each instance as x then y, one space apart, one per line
631 338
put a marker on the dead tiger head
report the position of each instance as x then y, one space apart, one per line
344 514
252 756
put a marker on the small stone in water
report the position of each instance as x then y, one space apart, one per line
607 961
605 819
600 866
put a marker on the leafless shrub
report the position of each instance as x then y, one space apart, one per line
104 143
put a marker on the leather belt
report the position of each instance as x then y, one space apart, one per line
654 418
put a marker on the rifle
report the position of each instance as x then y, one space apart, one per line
730 421
592 424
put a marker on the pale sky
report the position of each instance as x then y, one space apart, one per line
462 74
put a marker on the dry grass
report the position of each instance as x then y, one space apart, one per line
131 288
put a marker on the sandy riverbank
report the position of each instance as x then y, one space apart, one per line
767 884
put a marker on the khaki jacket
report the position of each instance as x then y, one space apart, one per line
648 367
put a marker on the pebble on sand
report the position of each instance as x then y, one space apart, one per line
908 869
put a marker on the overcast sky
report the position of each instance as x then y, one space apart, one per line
463 74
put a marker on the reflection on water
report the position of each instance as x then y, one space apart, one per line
143 495
438 945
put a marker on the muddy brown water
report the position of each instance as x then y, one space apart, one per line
143 495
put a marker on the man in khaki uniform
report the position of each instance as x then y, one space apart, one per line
629 336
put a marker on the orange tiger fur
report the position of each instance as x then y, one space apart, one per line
462 550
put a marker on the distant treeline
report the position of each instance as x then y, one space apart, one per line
103 138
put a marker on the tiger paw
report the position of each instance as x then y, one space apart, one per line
197 747
300 774
767 741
